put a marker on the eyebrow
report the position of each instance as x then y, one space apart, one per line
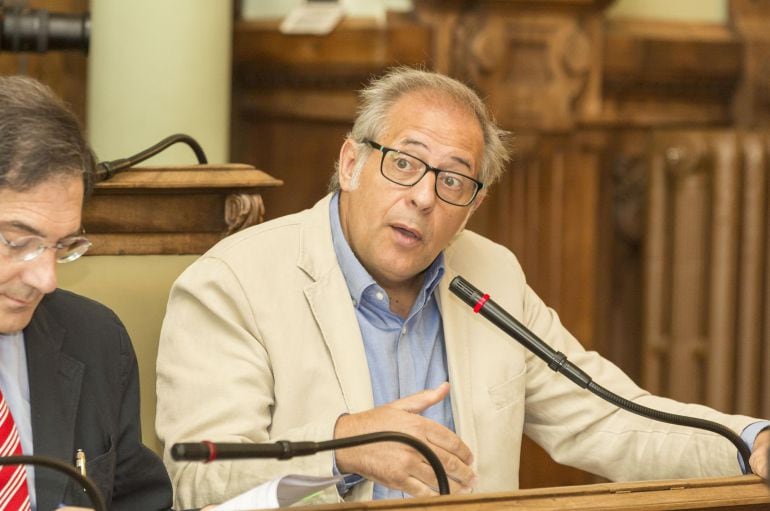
15 224
413 142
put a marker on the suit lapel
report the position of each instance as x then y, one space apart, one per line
54 388
457 333
330 303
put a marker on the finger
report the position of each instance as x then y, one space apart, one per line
456 469
420 401
758 463
427 476
417 488
447 441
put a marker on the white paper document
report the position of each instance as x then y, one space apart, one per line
281 492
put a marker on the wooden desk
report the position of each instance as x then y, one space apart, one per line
173 210
733 493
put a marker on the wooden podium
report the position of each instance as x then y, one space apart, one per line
173 209
731 493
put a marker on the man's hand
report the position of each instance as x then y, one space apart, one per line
398 466
758 460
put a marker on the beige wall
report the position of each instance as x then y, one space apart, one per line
154 69
136 288
159 68
681 10
700 10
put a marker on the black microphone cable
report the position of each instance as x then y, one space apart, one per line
44 461
558 362
107 169
284 450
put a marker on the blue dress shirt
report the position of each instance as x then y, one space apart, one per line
404 356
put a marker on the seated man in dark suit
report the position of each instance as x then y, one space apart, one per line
68 373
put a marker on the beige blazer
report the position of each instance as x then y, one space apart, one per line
260 343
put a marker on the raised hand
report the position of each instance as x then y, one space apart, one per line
398 466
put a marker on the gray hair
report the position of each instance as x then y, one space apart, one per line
382 93
40 137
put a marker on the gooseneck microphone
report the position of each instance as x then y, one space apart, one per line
97 501
106 169
482 304
284 450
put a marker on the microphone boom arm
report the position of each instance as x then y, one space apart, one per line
284 450
558 362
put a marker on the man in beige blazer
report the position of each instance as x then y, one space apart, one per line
286 331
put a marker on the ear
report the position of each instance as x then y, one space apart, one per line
347 164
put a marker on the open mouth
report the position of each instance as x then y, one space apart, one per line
407 233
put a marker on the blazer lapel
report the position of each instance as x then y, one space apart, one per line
330 303
54 387
457 333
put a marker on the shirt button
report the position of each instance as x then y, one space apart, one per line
403 331
379 295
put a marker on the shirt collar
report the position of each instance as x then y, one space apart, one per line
356 276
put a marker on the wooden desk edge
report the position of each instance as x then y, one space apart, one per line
210 176
749 492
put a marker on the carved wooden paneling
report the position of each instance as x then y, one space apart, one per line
661 73
537 63
708 271
752 101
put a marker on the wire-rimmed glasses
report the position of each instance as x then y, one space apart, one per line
29 248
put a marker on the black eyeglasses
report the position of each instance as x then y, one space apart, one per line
407 170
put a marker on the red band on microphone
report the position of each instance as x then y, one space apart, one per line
480 303
212 450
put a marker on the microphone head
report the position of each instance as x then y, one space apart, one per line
465 290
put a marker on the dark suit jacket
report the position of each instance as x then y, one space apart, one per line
84 394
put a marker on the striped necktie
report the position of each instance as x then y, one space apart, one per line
14 495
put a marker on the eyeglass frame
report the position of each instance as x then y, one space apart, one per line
43 246
428 168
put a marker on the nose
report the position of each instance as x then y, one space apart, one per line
40 273
423 194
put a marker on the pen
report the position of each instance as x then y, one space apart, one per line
80 461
